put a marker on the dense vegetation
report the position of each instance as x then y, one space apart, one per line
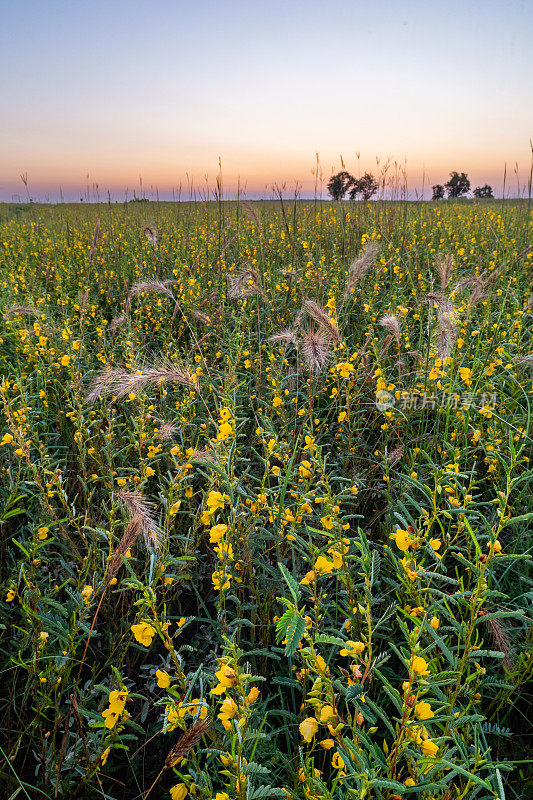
266 500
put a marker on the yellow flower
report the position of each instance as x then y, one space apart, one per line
429 748
110 717
423 711
11 594
42 533
163 679
305 469
214 501
337 761
65 360
308 728
226 678
174 508
103 757
435 544
228 710
7 439
337 555
321 666
323 566
149 472
117 701
419 666
327 522
434 622
308 579
327 744
252 695
225 430
144 633
179 792
221 580
465 374
402 538
217 532
86 593
327 714
352 648
344 369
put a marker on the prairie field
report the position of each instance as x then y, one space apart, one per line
266 500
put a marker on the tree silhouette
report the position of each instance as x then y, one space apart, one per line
438 192
483 192
365 186
339 184
458 184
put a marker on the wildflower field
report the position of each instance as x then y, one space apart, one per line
266 500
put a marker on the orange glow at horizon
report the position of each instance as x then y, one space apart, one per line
435 88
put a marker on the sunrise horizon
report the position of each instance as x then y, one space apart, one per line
395 179
117 94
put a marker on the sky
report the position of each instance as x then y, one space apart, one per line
163 91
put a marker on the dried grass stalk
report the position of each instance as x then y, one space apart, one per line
360 266
152 233
200 316
23 310
448 330
393 324
444 267
130 536
244 283
315 349
94 240
322 319
252 213
441 300
147 287
166 431
187 741
528 359
396 455
162 287
120 382
116 323
286 337
142 518
501 641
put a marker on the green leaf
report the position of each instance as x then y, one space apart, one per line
294 630
291 583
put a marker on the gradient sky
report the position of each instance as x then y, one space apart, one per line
162 89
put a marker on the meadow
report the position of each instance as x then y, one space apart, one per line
266 500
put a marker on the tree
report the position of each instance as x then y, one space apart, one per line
339 184
458 184
483 192
438 192
365 186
